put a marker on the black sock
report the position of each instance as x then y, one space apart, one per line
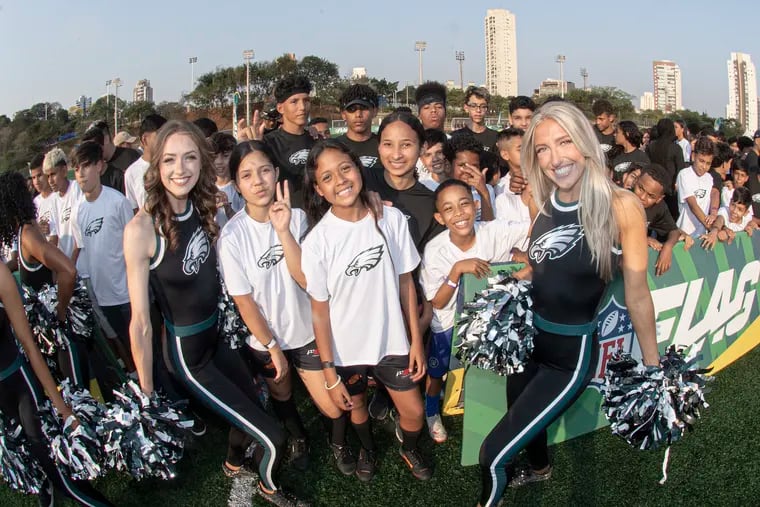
338 430
409 442
287 413
364 432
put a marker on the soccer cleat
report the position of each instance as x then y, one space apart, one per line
199 425
416 463
528 475
299 453
243 471
279 498
379 404
366 466
344 459
437 429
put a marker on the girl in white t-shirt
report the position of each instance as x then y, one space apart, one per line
358 270
260 258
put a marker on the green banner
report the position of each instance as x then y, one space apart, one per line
707 302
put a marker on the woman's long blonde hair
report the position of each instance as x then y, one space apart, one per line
595 212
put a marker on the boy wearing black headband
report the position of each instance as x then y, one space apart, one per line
291 143
431 105
358 107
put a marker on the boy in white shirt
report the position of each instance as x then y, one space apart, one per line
434 159
463 154
737 217
45 201
509 144
694 185
134 176
228 200
467 246
101 217
56 168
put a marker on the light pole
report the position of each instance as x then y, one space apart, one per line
584 75
561 61
460 58
108 93
116 85
192 61
247 55
420 46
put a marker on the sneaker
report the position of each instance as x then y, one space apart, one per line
46 496
344 459
379 405
280 498
437 430
397 423
527 475
365 467
414 460
243 471
298 451
199 425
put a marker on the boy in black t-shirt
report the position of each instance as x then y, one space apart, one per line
291 143
358 107
476 99
661 228
605 123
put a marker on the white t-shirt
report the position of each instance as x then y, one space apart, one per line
234 198
134 182
357 269
253 262
100 235
723 212
429 182
689 184
493 243
46 211
66 213
511 208
476 200
686 148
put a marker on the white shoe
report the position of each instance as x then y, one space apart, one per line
436 429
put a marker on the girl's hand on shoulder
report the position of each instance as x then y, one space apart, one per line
279 212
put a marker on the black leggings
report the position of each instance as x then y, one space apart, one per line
218 377
555 375
73 362
20 398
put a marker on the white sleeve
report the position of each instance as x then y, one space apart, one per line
400 243
505 236
723 212
126 211
76 228
53 222
686 184
501 207
130 191
432 273
491 193
231 266
314 269
299 224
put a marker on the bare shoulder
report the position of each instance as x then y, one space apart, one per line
627 207
139 236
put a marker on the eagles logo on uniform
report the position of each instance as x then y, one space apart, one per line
365 260
368 161
756 198
66 214
94 227
271 257
700 193
622 167
556 242
196 252
299 157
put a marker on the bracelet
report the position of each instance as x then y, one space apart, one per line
450 283
272 344
330 388
327 364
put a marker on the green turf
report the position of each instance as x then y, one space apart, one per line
717 464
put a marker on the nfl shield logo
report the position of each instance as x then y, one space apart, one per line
615 332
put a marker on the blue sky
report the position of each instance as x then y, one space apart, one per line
57 51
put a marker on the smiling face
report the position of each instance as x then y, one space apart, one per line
702 163
180 165
434 159
337 179
399 148
648 190
456 210
737 211
559 159
256 179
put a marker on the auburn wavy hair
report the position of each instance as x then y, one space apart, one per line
202 195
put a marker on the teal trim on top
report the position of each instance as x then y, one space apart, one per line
182 331
13 368
564 329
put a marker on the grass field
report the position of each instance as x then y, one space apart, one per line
717 464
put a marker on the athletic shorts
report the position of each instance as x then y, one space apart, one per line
392 371
305 357
439 353
118 317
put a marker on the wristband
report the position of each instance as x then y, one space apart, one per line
451 284
330 388
327 364
272 344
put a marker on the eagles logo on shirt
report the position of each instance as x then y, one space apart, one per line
271 257
299 157
66 214
368 161
700 193
94 227
622 167
756 198
196 252
555 243
365 260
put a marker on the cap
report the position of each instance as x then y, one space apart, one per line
360 101
124 137
757 134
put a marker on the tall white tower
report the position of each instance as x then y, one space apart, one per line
667 86
742 92
501 52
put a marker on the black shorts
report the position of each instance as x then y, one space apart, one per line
118 317
392 371
305 357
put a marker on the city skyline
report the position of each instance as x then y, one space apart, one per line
102 44
742 92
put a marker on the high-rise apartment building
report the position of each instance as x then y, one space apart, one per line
646 103
501 52
142 92
667 86
742 92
